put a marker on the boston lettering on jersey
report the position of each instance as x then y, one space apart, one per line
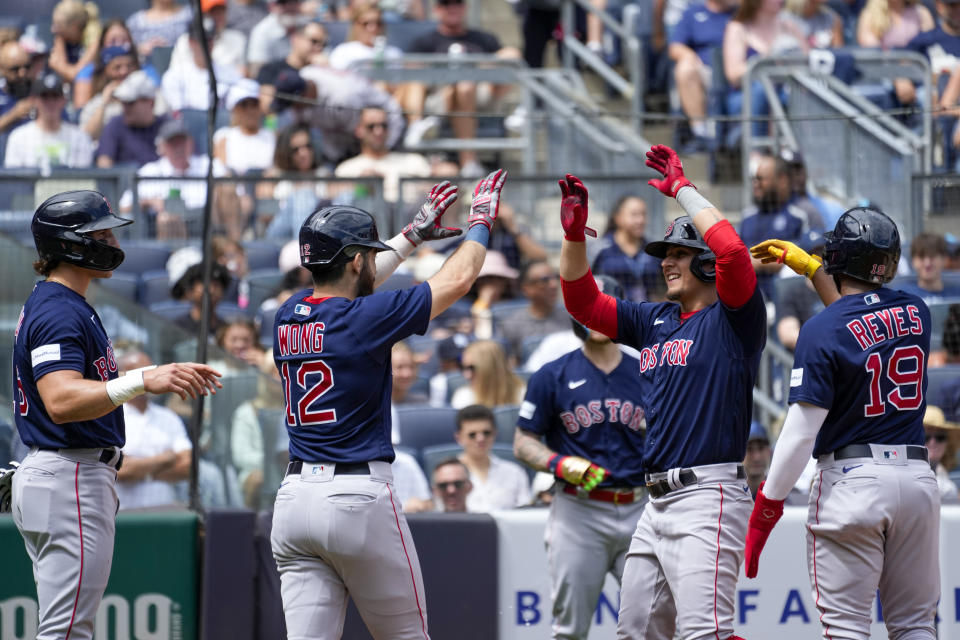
297 339
597 412
886 324
674 354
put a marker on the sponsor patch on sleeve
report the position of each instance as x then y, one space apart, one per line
527 409
796 377
46 353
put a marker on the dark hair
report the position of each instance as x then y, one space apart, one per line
330 273
475 412
44 266
283 152
748 10
527 266
617 206
929 244
99 80
194 275
241 322
951 331
451 461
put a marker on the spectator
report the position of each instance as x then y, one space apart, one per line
15 102
821 213
622 256
76 29
892 24
246 435
759 454
513 239
451 486
798 300
157 451
452 36
240 339
231 255
243 15
928 256
270 38
115 64
491 382
449 351
159 26
493 285
942 438
951 345
376 159
245 145
409 484
175 147
497 483
114 34
941 44
540 285
758 28
189 288
294 154
131 138
228 46
692 44
306 47
405 369
366 39
48 141
821 26
186 85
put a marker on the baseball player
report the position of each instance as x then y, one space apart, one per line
67 409
338 528
699 354
587 405
857 404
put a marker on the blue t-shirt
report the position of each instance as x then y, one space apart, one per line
585 412
950 293
760 226
58 330
697 378
701 29
637 274
940 48
333 355
864 358
129 145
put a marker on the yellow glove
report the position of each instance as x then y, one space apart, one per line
787 253
577 471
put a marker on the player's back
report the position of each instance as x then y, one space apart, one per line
864 358
333 355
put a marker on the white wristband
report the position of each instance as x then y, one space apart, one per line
126 386
692 202
388 261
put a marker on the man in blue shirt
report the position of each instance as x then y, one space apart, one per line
928 257
131 138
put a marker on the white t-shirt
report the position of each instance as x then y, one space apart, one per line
31 147
507 486
193 192
151 433
187 86
346 53
408 479
229 50
245 152
391 167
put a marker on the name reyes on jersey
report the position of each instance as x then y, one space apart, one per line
597 411
298 339
674 353
885 324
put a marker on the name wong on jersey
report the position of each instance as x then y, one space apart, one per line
296 339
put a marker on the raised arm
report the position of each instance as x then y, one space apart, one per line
458 273
801 262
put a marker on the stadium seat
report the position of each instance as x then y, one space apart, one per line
501 310
169 309
263 283
140 257
506 420
123 284
159 58
196 122
455 380
154 287
423 426
936 378
261 254
938 317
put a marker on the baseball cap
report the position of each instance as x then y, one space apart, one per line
288 81
135 86
758 432
46 84
171 129
207 5
244 89
495 264
109 53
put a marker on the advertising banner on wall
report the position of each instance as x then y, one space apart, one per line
152 592
777 603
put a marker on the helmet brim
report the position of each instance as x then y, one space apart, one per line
105 222
659 248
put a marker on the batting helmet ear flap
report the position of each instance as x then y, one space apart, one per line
704 266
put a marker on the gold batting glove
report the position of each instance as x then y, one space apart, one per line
789 254
577 471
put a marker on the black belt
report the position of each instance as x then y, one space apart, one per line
685 478
340 468
914 452
105 456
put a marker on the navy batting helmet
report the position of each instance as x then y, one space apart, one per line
607 285
684 233
864 245
329 230
61 226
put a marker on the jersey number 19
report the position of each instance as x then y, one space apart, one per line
300 411
912 377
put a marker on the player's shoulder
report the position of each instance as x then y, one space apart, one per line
52 303
297 307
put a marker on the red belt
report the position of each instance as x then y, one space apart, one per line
606 495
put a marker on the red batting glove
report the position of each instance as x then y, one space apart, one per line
573 210
665 160
766 513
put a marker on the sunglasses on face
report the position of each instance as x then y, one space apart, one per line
542 279
469 367
453 484
486 433
373 126
317 42
448 3
294 150
939 437
20 68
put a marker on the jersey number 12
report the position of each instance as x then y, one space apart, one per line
912 377
321 377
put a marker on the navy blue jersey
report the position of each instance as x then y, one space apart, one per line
333 355
864 358
697 378
586 412
58 330
638 274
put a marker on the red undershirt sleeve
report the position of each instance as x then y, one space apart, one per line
736 280
590 307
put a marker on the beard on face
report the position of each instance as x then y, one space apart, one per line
366 280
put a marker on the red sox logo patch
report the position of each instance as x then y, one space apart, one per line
669 230
304 249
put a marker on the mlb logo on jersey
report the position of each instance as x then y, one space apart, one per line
302 310
891 455
871 298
